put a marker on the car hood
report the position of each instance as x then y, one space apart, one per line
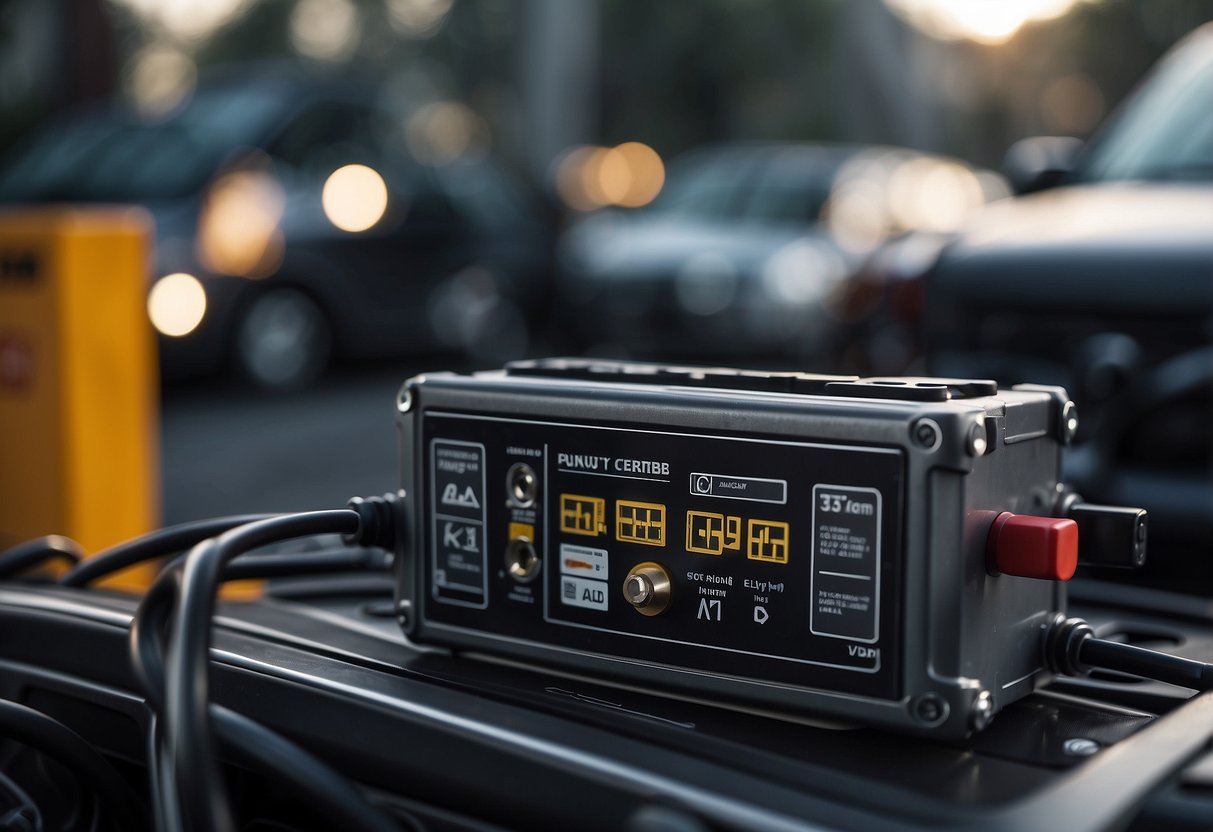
1090 245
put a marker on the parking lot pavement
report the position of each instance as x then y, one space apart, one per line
230 451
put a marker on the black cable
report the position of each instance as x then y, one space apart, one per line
319 786
153 545
155 736
54 739
1072 649
325 790
306 563
189 739
150 624
1151 664
149 630
32 553
371 523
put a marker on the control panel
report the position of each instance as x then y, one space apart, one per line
749 556
858 549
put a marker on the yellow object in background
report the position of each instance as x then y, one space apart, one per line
79 426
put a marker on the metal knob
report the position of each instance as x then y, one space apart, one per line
647 588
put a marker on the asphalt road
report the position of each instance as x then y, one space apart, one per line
228 450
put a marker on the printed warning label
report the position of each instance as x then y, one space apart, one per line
845 599
459 574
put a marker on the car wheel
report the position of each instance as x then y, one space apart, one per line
283 340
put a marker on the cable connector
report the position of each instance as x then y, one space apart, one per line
1072 649
379 521
1063 646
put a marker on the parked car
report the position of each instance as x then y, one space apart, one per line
1098 277
294 225
746 248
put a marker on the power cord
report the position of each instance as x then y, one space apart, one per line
170 647
154 545
35 552
1072 649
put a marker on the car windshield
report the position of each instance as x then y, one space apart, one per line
781 186
1166 132
119 158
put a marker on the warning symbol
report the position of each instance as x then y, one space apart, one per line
452 496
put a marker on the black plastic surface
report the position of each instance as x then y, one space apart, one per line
458 743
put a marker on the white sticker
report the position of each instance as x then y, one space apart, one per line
579 592
584 561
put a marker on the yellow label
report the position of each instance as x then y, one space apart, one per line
642 523
709 533
580 514
518 530
768 541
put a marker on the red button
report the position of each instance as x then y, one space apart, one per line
1033 547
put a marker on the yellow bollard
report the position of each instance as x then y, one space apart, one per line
79 426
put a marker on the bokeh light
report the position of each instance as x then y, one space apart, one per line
985 21
928 194
803 272
176 304
160 78
188 20
238 231
885 192
629 175
570 184
646 174
355 197
418 18
328 30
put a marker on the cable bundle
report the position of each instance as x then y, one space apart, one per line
170 643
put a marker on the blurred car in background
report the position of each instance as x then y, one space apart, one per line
1098 278
294 225
747 247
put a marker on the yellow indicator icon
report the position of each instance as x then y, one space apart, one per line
711 534
642 523
582 515
768 541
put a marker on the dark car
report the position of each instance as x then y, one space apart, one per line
747 247
293 225
1100 278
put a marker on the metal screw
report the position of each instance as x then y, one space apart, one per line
404 401
983 711
977 443
1069 422
1080 747
929 708
926 434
